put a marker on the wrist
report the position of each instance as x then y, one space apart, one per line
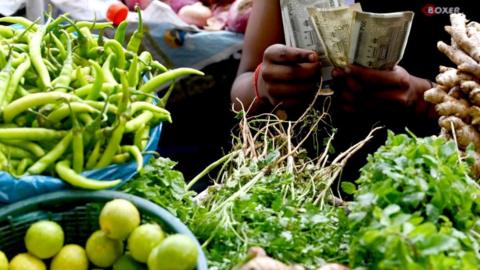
255 78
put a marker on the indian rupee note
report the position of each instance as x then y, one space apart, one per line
333 27
378 40
299 31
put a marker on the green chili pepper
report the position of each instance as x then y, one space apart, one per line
90 25
5 78
135 152
97 85
70 176
41 165
35 44
133 75
94 155
138 121
15 80
31 147
156 82
113 144
157 111
117 50
64 110
136 38
120 32
59 45
120 158
19 20
54 25
85 90
22 166
33 100
7 32
31 134
14 151
65 77
107 73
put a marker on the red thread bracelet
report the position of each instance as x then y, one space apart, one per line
255 81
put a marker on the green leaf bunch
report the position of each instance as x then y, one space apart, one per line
415 207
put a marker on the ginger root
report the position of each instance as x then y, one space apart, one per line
455 55
267 263
464 133
458 31
457 94
258 260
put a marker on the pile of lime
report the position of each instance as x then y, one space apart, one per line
147 245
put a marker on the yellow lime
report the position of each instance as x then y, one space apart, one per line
25 261
44 239
3 261
176 252
119 218
126 262
102 250
72 257
143 239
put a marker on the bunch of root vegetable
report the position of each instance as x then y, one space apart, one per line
457 93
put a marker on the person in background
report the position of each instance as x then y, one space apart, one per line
272 75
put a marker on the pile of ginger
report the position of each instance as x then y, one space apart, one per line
456 94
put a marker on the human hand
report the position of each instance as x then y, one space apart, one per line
288 76
377 92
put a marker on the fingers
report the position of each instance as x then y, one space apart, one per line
375 79
396 78
292 90
279 53
304 71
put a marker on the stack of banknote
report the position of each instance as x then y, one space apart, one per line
343 34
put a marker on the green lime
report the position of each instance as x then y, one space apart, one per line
3 261
176 252
119 218
102 250
44 239
143 239
72 257
25 261
126 262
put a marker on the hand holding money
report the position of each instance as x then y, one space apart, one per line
344 34
379 93
288 76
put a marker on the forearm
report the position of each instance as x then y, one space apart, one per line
242 94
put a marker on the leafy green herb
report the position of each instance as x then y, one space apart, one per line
160 183
416 208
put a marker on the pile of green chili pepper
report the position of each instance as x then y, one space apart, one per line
72 100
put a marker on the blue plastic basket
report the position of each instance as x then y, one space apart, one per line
77 212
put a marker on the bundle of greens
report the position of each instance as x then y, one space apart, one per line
269 193
416 208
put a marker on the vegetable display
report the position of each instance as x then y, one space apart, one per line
456 95
269 193
72 100
415 206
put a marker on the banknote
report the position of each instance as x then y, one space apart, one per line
378 40
300 33
333 26
296 21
